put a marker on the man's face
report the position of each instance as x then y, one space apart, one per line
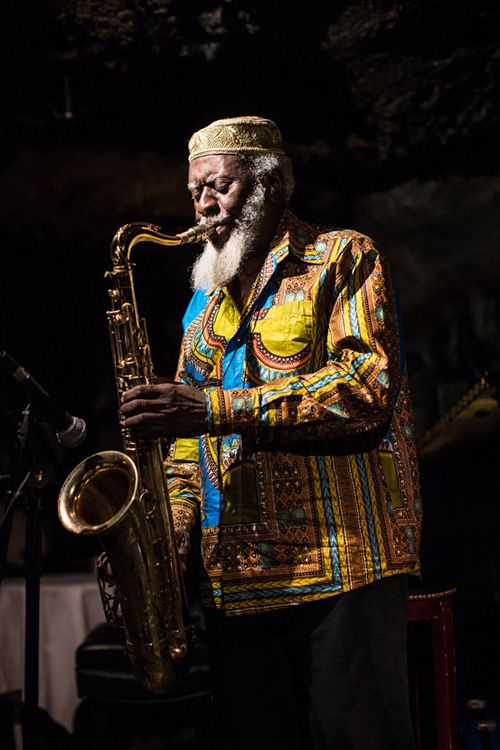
219 186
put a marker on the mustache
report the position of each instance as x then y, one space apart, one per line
211 221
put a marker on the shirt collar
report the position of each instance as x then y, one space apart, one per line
298 237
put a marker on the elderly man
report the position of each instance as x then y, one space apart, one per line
293 431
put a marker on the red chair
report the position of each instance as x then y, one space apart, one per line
435 607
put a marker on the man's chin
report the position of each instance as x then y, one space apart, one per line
220 236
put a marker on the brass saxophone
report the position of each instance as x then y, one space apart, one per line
122 497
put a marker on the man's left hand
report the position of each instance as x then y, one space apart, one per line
164 410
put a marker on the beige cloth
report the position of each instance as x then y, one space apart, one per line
233 135
70 606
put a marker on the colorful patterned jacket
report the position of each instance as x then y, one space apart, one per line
307 480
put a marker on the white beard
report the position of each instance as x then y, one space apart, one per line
217 267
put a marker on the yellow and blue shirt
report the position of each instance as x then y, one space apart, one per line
307 480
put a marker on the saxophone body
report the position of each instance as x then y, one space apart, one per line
122 497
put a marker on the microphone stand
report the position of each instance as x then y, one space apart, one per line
28 479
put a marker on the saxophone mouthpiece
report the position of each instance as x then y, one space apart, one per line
197 233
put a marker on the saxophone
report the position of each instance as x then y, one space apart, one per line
122 497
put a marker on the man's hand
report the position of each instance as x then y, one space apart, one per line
164 410
184 548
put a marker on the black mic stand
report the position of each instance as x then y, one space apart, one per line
28 479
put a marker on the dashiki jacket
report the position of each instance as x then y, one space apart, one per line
307 481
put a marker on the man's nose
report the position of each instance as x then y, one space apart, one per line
207 202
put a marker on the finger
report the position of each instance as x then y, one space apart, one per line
140 420
141 391
182 538
147 425
141 406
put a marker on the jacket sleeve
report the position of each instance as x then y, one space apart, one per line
183 481
354 390
183 476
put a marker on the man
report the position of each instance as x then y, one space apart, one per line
292 382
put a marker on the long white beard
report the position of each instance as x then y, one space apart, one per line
217 267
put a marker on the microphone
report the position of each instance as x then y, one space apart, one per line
70 431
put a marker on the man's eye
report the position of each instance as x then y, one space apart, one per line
222 186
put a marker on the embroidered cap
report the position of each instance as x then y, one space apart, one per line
235 135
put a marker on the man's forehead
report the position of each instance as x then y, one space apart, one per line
207 168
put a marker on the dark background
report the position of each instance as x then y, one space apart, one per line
390 111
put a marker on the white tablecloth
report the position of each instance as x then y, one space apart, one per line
70 606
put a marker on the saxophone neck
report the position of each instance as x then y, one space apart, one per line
130 235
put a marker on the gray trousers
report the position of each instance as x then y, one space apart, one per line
328 675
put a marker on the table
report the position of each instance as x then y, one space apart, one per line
70 606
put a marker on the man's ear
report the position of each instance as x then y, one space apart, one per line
275 186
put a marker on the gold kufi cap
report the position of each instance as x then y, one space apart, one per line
233 135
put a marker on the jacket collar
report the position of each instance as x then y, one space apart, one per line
298 237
